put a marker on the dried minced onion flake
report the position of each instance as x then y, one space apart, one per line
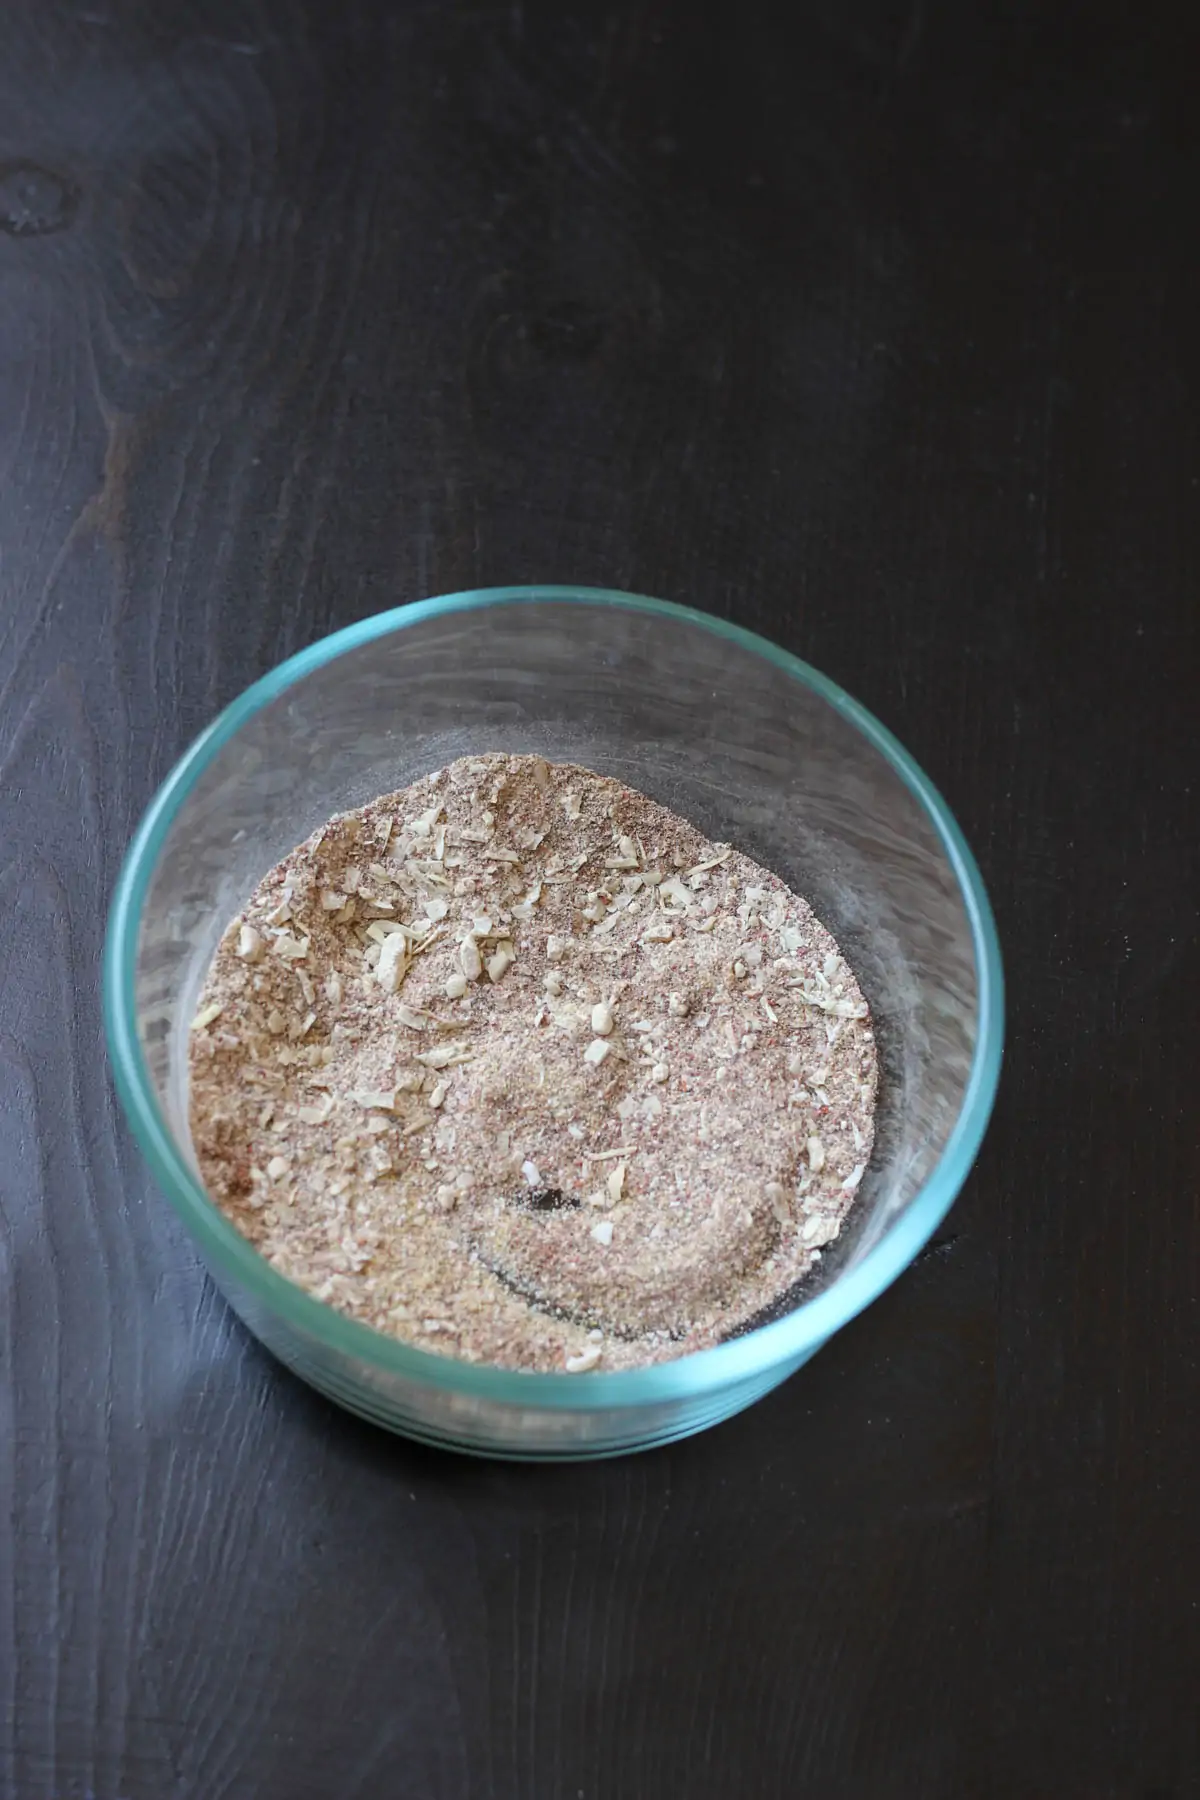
680 897
819 1231
383 1098
288 946
315 1115
392 966
776 1197
713 862
444 1056
501 962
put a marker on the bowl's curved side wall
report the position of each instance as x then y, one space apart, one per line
482 1426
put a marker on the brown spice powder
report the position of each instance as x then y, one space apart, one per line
517 1066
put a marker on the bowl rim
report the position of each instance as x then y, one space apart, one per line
789 1340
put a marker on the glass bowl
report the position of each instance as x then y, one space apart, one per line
749 743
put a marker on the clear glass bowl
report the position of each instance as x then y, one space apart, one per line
746 741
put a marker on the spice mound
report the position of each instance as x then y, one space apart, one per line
517 1066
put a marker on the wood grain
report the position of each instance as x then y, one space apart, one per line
873 327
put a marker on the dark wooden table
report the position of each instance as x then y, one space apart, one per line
874 327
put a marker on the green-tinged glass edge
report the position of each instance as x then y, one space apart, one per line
804 1329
